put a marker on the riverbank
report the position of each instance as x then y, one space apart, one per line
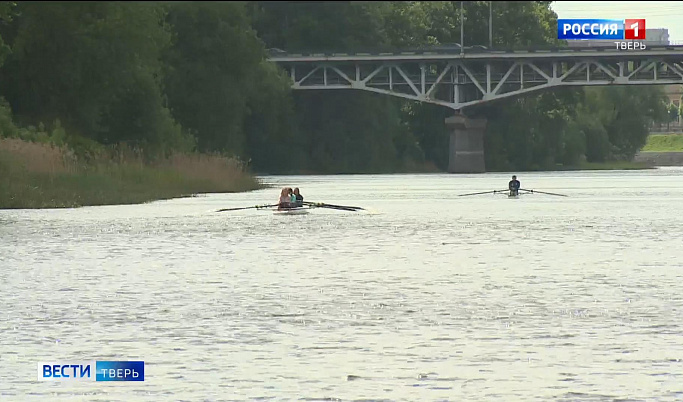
659 150
667 158
662 150
37 175
664 143
616 165
409 168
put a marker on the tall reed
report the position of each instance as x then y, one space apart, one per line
40 175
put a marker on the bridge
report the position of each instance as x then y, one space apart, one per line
462 78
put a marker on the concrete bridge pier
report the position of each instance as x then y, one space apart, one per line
466 150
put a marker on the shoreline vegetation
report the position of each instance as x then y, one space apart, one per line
614 165
664 143
42 175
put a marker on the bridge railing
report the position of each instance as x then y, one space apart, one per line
274 53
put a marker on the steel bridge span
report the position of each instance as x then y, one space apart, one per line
460 80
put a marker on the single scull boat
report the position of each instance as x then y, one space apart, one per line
291 211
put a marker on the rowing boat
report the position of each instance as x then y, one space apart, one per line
296 210
506 192
291 211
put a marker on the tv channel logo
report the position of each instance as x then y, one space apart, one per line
92 371
628 29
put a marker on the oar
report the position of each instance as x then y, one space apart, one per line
331 206
255 206
543 192
484 192
339 207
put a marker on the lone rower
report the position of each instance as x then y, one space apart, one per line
514 186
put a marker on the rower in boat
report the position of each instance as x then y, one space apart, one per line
514 186
292 197
285 201
299 198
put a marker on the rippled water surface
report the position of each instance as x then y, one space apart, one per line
426 296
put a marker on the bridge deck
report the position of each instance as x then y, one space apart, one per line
557 53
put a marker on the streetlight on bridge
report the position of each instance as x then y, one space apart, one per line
490 24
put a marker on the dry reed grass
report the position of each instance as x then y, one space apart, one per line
215 168
46 158
38 175
38 157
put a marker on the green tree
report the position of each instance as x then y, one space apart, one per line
7 12
321 26
673 113
345 131
212 69
272 141
597 145
94 66
7 126
625 114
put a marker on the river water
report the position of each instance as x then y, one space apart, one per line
425 296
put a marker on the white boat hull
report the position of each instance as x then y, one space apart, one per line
292 211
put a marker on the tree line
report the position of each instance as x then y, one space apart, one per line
194 76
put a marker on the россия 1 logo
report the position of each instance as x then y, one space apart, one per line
598 29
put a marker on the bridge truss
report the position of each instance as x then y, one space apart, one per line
458 81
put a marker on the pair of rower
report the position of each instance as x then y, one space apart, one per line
290 198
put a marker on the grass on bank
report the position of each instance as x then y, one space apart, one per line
615 165
664 143
38 175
